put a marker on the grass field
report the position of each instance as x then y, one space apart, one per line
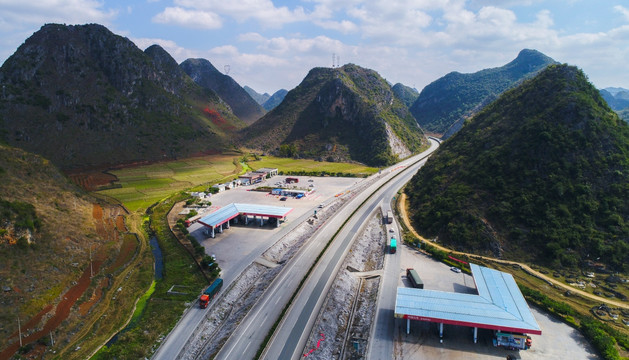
145 185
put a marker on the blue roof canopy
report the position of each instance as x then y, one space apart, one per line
499 304
230 211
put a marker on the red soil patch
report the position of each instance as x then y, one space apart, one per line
92 180
85 307
107 223
34 320
127 251
97 212
217 119
61 312
120 225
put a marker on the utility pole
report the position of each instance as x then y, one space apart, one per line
19 328
91 271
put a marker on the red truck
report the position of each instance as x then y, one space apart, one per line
210 293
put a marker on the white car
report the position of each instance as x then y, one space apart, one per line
455 269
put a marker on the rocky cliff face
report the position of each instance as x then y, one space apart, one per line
82 96
343 114
208 77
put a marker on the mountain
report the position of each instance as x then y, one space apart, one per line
340 114
615 90
259 98
541 174
456 97
208 77
617 101
48 228
406 94
82 96
275 99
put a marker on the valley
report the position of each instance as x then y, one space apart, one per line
131 181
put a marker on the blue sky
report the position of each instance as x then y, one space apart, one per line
272 44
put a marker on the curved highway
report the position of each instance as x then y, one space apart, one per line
290 337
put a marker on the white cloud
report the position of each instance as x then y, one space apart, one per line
344 26
624 11
20 14
195 19
263 11
177 52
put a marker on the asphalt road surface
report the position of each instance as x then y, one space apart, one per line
245 341
291 336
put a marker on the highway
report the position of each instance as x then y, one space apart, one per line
291 336
245 341
177 338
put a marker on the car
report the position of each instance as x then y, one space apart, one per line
391 230
455 269
283 198
310 180
320 206
311 185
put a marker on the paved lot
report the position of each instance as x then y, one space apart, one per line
558 341
238 246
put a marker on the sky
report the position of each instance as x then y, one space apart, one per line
272 44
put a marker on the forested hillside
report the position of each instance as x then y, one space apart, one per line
542 174
343 114
448 101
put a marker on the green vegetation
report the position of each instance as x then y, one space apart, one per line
343 114
144 185
162 309
407 95
457 96
603 337
540 175
120 111
624 114
141 186
21 214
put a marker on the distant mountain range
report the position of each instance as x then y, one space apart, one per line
240 102
444 104
85 97
342 114
259 98
407 95
539 175
268 102
275 99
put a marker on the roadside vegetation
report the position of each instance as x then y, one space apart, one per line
161 310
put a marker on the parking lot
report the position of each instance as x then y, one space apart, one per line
558 340
238 246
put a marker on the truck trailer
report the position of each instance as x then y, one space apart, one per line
392 245
210 293
389 217
414 278
512 341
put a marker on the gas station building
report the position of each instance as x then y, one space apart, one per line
222 216
499 305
